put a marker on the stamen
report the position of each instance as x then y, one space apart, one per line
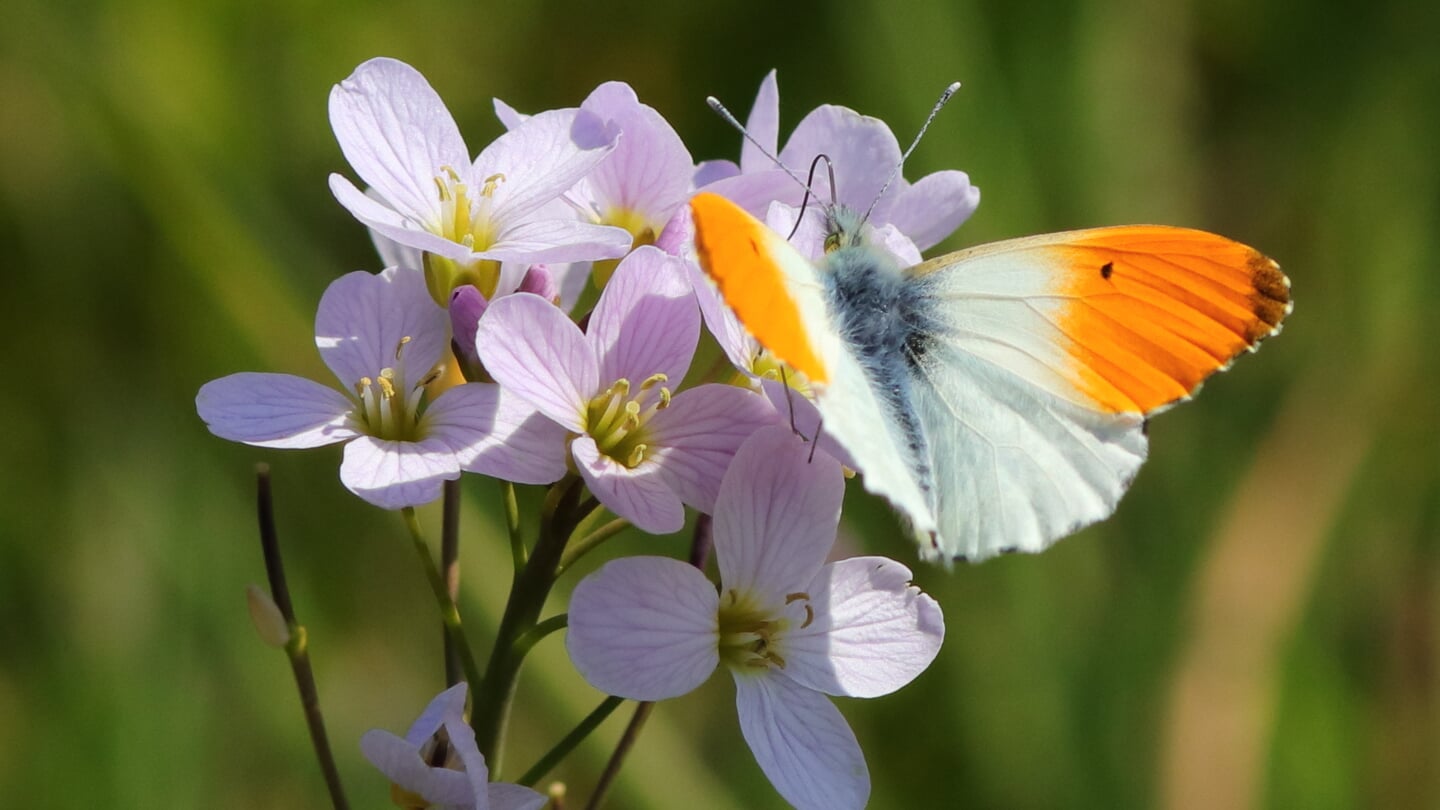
809 616
636 456
652 381
386 382
400 347
664 399
490 183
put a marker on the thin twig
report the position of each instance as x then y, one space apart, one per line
577 549
627 741
449 612
297 647
450 570
574 738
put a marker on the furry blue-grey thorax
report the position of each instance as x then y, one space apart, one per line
882 316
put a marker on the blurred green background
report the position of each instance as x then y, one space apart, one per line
1256 627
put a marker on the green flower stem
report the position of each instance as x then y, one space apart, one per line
524 643
491 709
563 748
627 741
449 613
450 569
297 648
512 525
578 548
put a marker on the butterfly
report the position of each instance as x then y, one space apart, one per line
996 396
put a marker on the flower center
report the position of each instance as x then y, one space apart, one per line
388 409
642 232
466 221
616 420
751 637
770 367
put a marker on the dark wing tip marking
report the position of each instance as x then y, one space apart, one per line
1271 300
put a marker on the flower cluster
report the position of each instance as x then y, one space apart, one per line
473 352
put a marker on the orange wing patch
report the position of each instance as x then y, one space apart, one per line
738 252
1155 310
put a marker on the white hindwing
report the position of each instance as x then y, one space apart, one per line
1019 459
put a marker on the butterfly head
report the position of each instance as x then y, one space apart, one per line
844 228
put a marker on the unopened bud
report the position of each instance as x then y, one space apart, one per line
466 307
540 281
269 622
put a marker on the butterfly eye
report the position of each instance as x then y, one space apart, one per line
832 242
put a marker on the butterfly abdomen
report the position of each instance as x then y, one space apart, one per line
877 312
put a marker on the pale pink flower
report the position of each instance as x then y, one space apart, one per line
643 450
790 628
383 337
437 763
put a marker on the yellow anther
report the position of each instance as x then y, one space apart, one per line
795 597
652 381
620 388
386 384
664 399
636 456
360 387
809 616
490 183
400 347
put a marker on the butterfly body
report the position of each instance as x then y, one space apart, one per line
996 396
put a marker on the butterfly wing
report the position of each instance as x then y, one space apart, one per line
780 298
1042 358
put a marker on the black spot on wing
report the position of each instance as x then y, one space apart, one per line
1106 269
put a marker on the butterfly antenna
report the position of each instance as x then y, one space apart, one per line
735 122
939 104
790 406
814 164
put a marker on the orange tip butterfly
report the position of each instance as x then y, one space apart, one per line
996 396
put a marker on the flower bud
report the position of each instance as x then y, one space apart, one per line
540 281
269 623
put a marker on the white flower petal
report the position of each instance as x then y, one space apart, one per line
802 743
641 495
776 514
363 317
697 436
863 150
385 221
497 434
540 159
540 356
396 132
505 796
646 321
872 632
932 208
275 410
393 474
644 628
557 240
764 126
449 702
401 763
